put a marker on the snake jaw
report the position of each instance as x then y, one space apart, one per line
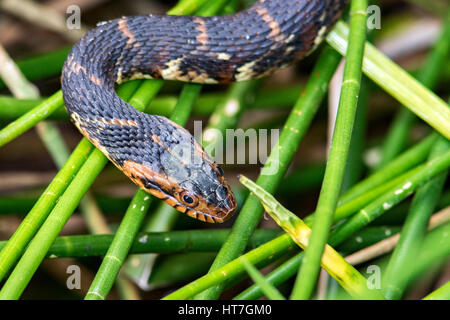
203 211
209 213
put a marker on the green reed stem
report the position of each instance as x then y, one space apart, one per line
233 268
284 272
133 219
397 137
405 161
435 251
30 119
187 6
164 217
97 224
49 134
335 170
119 248
271 292
210 9
355 165
96 245
42 66
347 276
46 202
337 236
278 276
296 126
269 98
227 115
347 209
443 293
397 82
54 142
415 227
397 194
66 204
50 229
399 131
427 196
367 213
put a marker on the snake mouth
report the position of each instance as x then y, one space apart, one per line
210 217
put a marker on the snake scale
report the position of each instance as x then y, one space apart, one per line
154 152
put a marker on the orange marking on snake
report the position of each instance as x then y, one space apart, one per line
201 217
182 209
158 194
75 67
120 122
158 141
273 24
142 171
96 80
123 27
192 214
171 201
203 36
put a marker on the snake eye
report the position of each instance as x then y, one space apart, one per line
188 199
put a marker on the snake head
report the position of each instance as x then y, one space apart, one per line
183 176
207 197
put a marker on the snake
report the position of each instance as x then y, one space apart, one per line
158 155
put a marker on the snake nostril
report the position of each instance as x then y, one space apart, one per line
221 193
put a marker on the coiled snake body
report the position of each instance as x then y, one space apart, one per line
155 153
